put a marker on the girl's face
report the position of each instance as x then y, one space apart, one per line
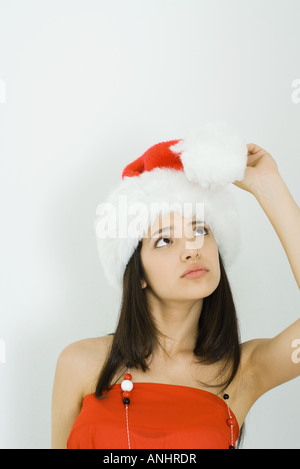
183 243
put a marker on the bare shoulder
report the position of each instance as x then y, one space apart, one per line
87 349
247 350
77 368
248 347
263 353
81 361
247 374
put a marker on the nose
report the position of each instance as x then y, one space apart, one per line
192 248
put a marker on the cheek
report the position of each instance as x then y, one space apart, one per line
161 275
159 269
153 266
216 273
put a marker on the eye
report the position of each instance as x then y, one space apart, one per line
202 228
205 231
161 239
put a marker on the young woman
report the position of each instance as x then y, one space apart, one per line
174 374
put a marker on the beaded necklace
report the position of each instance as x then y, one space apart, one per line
127 386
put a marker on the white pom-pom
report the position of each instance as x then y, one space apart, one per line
212 155
127 385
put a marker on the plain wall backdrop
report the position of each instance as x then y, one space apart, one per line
85 88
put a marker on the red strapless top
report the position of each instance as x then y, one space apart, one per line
159 416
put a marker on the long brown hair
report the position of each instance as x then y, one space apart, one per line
137 336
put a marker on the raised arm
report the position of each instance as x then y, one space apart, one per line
275 361
264 181
281 209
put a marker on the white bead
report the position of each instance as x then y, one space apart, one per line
127 385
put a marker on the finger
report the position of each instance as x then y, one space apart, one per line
254 153
253 148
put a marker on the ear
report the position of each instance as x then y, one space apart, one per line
143 284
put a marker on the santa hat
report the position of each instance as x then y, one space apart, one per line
191 172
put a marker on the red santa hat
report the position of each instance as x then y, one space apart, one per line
184 176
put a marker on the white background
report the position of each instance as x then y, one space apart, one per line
86 87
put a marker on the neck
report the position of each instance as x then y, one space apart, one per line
177 323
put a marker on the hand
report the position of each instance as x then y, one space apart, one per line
260 164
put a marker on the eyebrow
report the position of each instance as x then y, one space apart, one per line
193 223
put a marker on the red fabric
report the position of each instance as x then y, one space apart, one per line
157 156
159 416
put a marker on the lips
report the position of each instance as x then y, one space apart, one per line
194 268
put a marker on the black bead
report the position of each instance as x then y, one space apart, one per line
126 400
128 365
226 396
231 447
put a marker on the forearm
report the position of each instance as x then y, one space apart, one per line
284 214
